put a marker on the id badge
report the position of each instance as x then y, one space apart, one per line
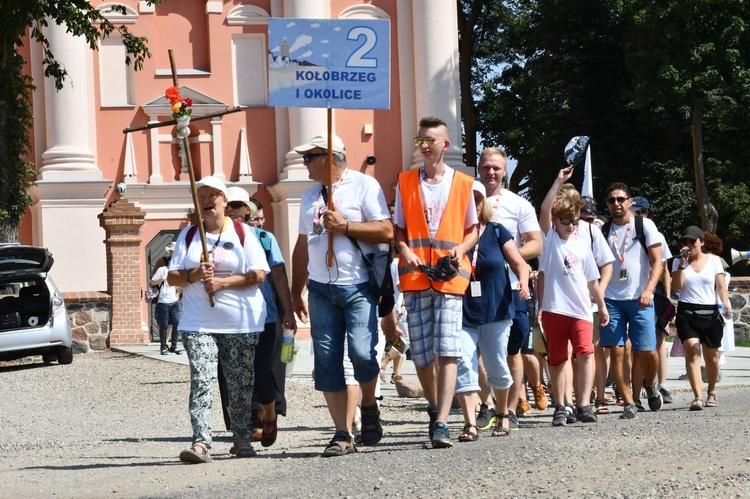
623 274
476 289
313 238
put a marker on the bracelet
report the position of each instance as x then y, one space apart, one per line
680 268
346 232
188 276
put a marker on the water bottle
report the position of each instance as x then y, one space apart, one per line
287 346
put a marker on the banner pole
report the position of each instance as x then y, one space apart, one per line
330 182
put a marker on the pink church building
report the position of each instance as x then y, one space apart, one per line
221 54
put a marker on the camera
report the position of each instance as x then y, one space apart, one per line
371 160
121 188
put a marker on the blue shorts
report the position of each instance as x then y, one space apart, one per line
628 320
434 325
520 330
492 340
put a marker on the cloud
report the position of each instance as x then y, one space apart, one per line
323 41
291 24
315 25
325 55
276 49
337 28
306 54
301 41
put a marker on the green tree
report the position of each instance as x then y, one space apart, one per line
17 20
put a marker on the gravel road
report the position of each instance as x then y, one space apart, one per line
112 425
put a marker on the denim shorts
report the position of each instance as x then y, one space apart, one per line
337 312
628 319
492 340
434 325
520 330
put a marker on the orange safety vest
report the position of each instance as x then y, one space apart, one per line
450 233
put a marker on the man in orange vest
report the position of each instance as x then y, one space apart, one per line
435 225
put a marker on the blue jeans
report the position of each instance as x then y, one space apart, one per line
337 312
492 340
166 314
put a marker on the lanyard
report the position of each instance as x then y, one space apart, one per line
624 248
476 251
320 204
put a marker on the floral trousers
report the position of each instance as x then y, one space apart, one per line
237 354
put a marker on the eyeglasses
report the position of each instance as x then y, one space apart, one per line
642 213
258 219
568 221
429 141
312 155
619 199
212 195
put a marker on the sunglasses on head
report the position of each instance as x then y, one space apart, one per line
312 155
619 199
568 221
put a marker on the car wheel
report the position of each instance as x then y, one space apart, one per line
65 355
49 357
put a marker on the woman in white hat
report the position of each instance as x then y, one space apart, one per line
229 329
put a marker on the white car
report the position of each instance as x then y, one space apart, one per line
33 318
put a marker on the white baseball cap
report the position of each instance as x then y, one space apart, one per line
238 194
321 141
478 187
213 183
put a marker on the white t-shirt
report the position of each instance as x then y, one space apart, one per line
359 198
699 288
637 265
515 214
568 267
602 253
167 293
236 310
434 200
665 253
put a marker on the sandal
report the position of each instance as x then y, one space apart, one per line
499 430
697 404
270 431
372 431
243 448
197 454
382 376
394 378
711 400
467 435
601 407
340 445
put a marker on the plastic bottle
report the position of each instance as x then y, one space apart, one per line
287 346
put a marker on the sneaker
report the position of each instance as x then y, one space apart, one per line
441 435
570 413
560 417
654 398
638 405
486 417
175 350
432 413
522 407
666 397
540 397
512 420
164 351
630 412
586 414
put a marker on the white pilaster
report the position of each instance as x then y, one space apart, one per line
69 153
153 149
217 159
436 71
409 117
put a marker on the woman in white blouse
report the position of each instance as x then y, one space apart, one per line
698 277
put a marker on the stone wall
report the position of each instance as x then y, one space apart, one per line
90 318
739 298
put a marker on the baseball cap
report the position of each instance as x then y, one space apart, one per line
693 232
238 194
590 207
213 183
640 203
321 141
478 187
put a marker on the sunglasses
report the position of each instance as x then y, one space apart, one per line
312 155
568 221
236 205
429 141
687 242
619 199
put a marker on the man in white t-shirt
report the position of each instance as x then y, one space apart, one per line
342 304
436 221
518 216
167 311
629 296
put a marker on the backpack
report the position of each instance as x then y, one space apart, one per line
238 228
639 235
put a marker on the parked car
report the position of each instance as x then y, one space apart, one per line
33 318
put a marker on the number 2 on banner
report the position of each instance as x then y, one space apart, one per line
357 59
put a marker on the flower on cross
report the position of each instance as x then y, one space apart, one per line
180 106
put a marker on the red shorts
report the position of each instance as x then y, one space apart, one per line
560 329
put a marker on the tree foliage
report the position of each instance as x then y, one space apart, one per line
636 76
17 20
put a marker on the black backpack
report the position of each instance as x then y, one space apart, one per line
639 235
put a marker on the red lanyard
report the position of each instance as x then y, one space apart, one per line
624 248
